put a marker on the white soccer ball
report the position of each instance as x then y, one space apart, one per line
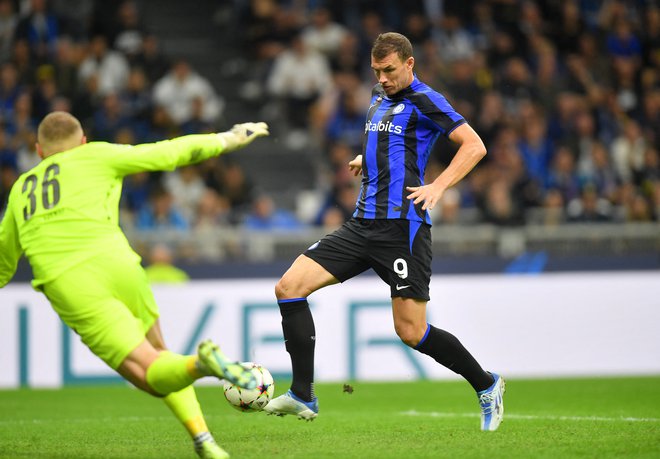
251 400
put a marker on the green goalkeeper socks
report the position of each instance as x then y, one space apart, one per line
186 408
172 372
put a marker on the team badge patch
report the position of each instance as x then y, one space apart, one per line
399 108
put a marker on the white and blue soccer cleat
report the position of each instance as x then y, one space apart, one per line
492 404
289 403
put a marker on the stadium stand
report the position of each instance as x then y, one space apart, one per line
565 94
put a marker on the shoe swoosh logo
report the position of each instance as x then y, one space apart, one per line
401 287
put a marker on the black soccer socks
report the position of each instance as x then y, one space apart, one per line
447 350
299 339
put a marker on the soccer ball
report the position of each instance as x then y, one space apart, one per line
251 400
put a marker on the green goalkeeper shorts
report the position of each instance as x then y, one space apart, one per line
106 300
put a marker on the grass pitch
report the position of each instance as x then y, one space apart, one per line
596 418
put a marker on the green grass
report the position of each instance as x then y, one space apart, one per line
585 418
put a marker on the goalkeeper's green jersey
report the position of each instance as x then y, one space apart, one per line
65 210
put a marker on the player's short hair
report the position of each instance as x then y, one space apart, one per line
56 127
392 42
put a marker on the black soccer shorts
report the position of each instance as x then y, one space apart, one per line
398 250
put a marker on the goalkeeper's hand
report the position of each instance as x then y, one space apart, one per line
242 134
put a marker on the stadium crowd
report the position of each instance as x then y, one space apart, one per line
565 94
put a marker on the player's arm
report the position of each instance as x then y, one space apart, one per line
181 151
470 152
10 248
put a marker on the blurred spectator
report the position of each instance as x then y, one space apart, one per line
152 60
563 175
553 208
628 151
8 21
237 188
568 27
491 117
417 28
536 149
76 16
109 66
10 88
548 76
649 176
180 87
197 124
135 192
212 211
346 125
639 209
136 97
8 157
130 31
160 214
8 176
517 85
347 59
45 92
265 216
622 42
323 35
268 29
161 268
589 207
597 170
23 129
66 62
109 118
462 88
187 188
340 202
298 78
454 42
40 28
499 206
161 126
25 65
449 210
650 119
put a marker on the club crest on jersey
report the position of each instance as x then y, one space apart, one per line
399 108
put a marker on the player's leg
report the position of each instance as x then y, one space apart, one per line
410 324
186 408
333 259
304 277
447 350
406 266
164 372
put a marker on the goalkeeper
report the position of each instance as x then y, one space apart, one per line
63 214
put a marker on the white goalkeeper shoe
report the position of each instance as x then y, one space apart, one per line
492 404
289 403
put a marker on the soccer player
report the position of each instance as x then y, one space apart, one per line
63 214
390 230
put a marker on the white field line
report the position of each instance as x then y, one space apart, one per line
412 413
529 417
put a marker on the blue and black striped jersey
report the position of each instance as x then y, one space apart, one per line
398 135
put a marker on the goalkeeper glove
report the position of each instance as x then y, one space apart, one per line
242 134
